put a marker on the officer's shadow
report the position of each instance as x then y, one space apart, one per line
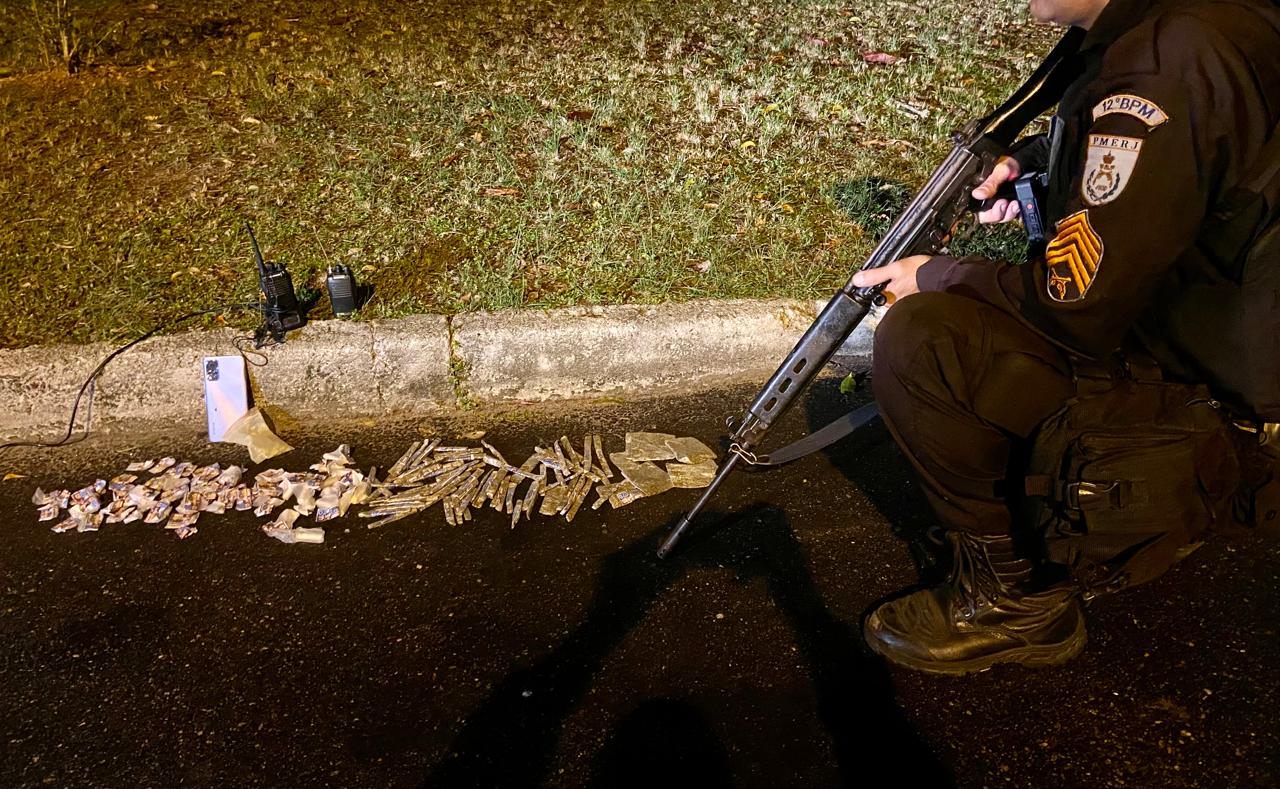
510 739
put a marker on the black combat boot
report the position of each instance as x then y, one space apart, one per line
983 616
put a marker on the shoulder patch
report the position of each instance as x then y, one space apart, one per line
1072 258
1128 104
1108 167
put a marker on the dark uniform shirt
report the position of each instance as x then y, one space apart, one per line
1176 101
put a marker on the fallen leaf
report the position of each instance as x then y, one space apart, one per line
474 435
746 145
501 191
255 35
217 73
880 58
251 120
580 115
12 475
451 158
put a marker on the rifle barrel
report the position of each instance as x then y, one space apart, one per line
678 531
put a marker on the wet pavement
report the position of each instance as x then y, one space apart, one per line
558 654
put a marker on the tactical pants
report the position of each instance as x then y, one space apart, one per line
959 382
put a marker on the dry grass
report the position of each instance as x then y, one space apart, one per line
469 155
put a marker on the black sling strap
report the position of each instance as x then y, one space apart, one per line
849 423
1262 181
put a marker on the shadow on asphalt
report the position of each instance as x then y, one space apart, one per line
871 462
661 742
510 739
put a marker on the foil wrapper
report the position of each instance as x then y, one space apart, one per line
647 446
649 479
693 475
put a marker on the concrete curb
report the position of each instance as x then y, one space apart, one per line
422 363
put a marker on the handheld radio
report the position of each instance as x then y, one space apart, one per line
341 284
281 311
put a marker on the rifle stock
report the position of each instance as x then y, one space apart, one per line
923 226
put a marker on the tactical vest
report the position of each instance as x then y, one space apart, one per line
1225 319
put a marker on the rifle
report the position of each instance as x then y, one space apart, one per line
924 226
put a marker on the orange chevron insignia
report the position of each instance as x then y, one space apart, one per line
1072 258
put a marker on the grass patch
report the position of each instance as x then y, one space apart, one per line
466 155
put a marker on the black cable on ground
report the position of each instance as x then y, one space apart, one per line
88 384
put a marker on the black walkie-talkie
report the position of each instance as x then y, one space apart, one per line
342 290
281 311
1030 190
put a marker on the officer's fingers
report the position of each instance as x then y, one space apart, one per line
1005 170
1013 211
996 213
874 276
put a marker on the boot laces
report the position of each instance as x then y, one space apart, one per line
972 576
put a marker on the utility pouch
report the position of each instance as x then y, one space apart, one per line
1127 476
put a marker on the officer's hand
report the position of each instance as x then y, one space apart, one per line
900 276
1001 210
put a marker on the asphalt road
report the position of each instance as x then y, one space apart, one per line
567 655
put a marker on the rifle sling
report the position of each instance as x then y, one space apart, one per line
849 423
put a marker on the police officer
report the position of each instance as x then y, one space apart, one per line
1176 101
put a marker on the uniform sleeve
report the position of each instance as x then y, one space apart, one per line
1134 206
1150 163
